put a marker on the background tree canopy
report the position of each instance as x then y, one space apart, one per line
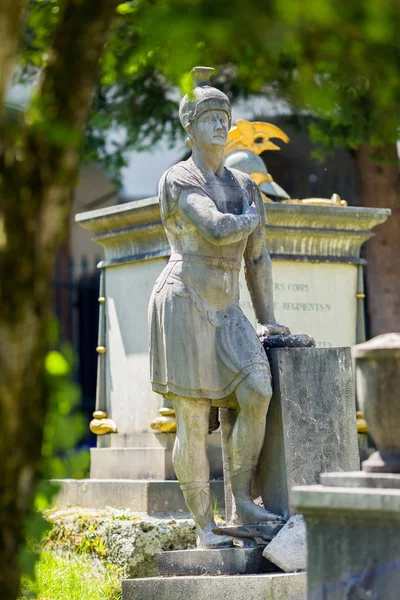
338 59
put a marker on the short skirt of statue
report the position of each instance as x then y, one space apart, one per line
196 350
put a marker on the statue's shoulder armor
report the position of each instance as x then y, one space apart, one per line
169 190
242 178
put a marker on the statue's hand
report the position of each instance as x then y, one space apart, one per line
248 208
271 328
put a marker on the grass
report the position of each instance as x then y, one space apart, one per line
72 577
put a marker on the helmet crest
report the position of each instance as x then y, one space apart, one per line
202 98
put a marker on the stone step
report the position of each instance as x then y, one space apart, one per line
221 561
151 497
279 586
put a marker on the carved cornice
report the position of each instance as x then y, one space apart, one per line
133 231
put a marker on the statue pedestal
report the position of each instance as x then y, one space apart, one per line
311 424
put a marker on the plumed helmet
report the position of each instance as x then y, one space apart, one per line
202 98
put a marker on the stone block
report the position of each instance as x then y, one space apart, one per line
288 550
152 497
222 561
131 463
280 586
311 422
353 541
144 456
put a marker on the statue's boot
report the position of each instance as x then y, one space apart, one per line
199 501
246 510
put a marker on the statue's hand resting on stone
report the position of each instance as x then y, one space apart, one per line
271 328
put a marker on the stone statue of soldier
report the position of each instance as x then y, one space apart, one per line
203 350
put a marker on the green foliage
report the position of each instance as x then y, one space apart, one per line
337 59
72 577
63 429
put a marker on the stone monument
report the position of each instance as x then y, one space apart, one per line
317 273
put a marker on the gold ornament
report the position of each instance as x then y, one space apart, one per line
255 137
166 422
335 200
100 424
362 426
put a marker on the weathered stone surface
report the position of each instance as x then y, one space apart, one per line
251 587
353 542
301 340
151 497
126 539
221 561
288 550
361 479
358 502
130 463
311 424
145 455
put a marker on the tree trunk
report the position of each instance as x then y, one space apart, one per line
38 171
378 174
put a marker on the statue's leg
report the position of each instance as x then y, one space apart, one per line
192 468
245 442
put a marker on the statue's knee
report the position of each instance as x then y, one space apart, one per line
257 392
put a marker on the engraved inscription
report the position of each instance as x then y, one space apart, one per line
315 299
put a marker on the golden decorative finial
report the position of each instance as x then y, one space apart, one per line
362 426
166 422
101 424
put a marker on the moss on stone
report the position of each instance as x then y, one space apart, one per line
128 540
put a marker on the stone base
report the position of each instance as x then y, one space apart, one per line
222 561
352 535
151 497
144 456
249 587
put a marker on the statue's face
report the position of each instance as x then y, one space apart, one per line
211 128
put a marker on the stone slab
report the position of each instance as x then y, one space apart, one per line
311 422
366 504
152 497
361 479
288 549
144 456
280 586
222 561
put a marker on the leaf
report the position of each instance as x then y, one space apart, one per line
56 364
